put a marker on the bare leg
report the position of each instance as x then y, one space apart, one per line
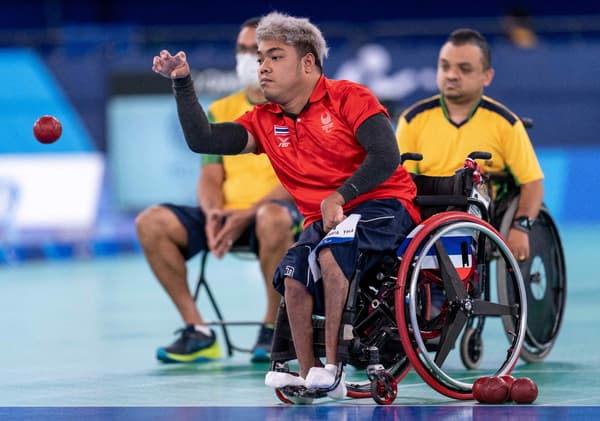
335 291
299 303
160 233
274 234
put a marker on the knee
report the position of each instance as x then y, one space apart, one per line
273 223
294 290
152 223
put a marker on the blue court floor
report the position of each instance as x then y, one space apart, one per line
79 339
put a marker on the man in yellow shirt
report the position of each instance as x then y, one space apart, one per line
241 203
460 119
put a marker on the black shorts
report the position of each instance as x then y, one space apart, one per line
383 226
193 220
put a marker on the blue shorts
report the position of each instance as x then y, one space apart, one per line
383 226
193 220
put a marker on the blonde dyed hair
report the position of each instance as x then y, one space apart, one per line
299 33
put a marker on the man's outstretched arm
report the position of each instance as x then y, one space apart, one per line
200 135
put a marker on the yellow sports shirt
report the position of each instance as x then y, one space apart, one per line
426 129
248 177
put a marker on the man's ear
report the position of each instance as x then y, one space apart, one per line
489 76
308 62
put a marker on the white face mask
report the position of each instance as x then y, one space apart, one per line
247 70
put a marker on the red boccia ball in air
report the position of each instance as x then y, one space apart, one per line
47 129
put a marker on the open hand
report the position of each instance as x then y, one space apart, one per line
172 67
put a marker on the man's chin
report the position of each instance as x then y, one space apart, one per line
454 97
269 95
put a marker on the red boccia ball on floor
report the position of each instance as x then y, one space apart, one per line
509 381
477 388
524 390
47 129
494 390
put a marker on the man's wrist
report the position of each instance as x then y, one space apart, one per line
183 82
348 191
522 223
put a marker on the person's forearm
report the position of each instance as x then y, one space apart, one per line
530 199
383 157
201 135
210 196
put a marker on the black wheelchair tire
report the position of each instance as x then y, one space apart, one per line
546 285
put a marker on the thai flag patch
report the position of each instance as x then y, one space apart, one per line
281 130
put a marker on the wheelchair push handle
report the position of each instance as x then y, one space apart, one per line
413 156
480 155
410 156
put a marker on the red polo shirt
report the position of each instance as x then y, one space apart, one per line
315 153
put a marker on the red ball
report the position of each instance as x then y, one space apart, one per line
47 129
477 388
494 390
509 381
524 390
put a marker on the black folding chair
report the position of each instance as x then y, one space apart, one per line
242 252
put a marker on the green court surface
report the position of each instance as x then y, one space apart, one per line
84 334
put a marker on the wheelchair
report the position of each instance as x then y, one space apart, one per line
544 274
425 304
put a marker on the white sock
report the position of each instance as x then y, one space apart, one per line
277 379
203 329
324 377
321 377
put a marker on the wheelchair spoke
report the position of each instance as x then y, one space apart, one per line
455 290
486 308
455 322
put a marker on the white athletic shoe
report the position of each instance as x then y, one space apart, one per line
278 379
324 377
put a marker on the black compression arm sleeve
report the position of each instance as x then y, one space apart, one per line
383 157
201 135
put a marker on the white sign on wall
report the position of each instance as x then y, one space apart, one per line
50 191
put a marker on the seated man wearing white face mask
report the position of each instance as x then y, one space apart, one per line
241 202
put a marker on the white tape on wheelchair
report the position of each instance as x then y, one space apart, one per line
343 232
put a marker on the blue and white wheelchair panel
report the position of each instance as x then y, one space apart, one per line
459 245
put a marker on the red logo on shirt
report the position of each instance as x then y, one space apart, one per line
326 123
284 142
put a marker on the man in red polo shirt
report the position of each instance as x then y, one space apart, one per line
333 148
